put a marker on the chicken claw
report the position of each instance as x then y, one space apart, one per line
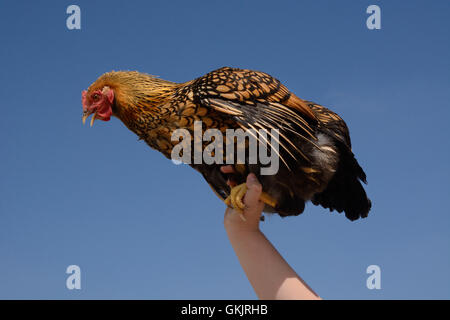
235 199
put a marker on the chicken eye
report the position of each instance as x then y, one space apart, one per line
95 96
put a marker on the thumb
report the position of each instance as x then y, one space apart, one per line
254 189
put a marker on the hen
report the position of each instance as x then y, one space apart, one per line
314 148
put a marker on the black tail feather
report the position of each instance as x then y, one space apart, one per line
345 192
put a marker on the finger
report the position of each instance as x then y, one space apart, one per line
227 169
251 198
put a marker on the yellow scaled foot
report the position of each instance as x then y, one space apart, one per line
235 199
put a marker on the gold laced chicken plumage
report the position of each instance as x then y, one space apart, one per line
316 160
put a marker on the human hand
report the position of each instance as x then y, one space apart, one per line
273 279
253 206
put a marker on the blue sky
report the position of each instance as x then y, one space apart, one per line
140 227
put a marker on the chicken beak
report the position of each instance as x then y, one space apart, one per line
93 119
86 115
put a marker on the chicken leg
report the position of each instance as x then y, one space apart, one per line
235 199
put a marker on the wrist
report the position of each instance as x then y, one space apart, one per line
240 230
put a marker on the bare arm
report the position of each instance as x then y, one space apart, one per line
269 274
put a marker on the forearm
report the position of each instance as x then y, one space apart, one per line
269 274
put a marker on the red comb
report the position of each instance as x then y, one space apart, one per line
83 99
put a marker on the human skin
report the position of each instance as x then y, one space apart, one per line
270 275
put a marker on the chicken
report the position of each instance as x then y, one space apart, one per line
316 160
